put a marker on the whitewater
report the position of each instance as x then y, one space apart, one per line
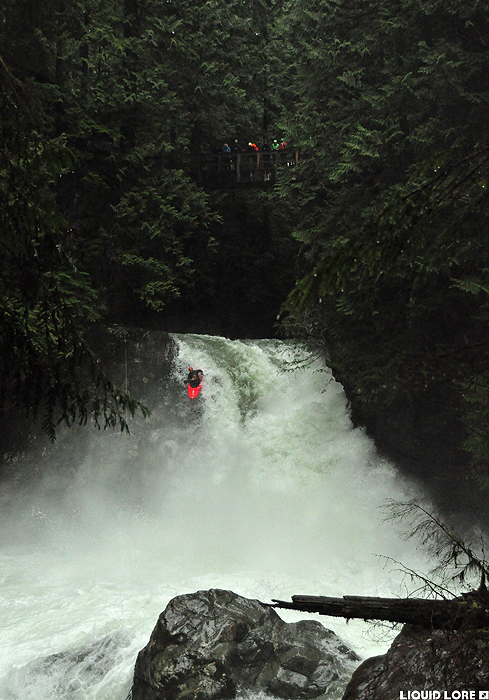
261 485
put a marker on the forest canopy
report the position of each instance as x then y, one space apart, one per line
389 104
106 109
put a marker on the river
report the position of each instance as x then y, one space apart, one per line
261 485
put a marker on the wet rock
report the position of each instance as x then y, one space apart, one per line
215 644
421 659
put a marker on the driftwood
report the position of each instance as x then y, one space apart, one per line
436 614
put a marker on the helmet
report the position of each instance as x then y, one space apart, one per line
190 369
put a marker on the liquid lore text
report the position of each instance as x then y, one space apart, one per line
444 695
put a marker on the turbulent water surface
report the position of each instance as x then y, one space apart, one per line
261 486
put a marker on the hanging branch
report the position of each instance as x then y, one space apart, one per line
454 556
468 610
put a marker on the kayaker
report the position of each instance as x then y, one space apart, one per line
194 377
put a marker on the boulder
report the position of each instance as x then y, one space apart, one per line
422 660
216 644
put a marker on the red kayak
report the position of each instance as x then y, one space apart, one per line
193 392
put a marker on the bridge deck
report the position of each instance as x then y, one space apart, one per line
244 169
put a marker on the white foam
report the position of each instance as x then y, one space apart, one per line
261 486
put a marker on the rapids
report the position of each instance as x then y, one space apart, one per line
261 486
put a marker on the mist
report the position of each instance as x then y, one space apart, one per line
262 486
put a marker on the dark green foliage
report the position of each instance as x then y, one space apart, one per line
243 272
45 300
106 109
389 105
139 90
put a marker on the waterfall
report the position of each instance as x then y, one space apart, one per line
261 485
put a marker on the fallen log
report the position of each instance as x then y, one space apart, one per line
435 614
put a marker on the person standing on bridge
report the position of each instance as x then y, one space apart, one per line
282 146
252 162
236 149
275 147
226 153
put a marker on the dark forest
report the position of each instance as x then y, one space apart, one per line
374 244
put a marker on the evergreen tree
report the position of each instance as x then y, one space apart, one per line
46 301
388 103
108 106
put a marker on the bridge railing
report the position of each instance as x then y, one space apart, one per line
258 167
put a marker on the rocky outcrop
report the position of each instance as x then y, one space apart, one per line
423 436
421 659
215 644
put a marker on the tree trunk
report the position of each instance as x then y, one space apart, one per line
435 614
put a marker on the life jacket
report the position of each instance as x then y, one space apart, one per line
194 380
